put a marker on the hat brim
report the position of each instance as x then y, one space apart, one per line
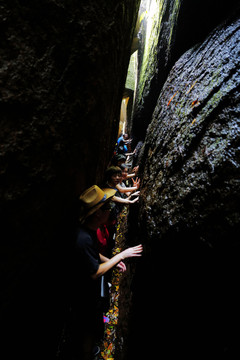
109 194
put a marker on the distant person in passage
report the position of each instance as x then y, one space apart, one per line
88 267
118 159
122 145
124 182
123 137
113 177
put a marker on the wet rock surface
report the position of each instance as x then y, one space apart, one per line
192 145
189 216
181 25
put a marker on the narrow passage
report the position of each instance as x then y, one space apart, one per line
110 340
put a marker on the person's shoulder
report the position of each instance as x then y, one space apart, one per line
83 237
119 139
107 186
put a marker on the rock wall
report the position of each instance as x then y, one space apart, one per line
63 68
170 28
185 291
192 144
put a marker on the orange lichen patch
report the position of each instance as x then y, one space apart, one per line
195 103
172 98
193 122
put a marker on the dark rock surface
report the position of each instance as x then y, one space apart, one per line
63 66
185 292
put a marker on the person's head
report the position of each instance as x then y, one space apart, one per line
113 213
120 162
121 148
95 204
124 169
121 158
125 136
118 159
102 215
113 175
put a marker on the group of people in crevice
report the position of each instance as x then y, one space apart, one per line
93 260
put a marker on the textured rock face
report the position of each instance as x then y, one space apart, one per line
177 25
189 209
62 73
192 144
157 34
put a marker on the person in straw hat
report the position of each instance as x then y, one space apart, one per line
88 267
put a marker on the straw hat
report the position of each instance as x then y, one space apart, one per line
93 198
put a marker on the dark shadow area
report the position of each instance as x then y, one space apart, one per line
196 20
185 300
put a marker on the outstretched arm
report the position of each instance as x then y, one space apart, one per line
126 189
107 265
124 201
135 170
121 266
